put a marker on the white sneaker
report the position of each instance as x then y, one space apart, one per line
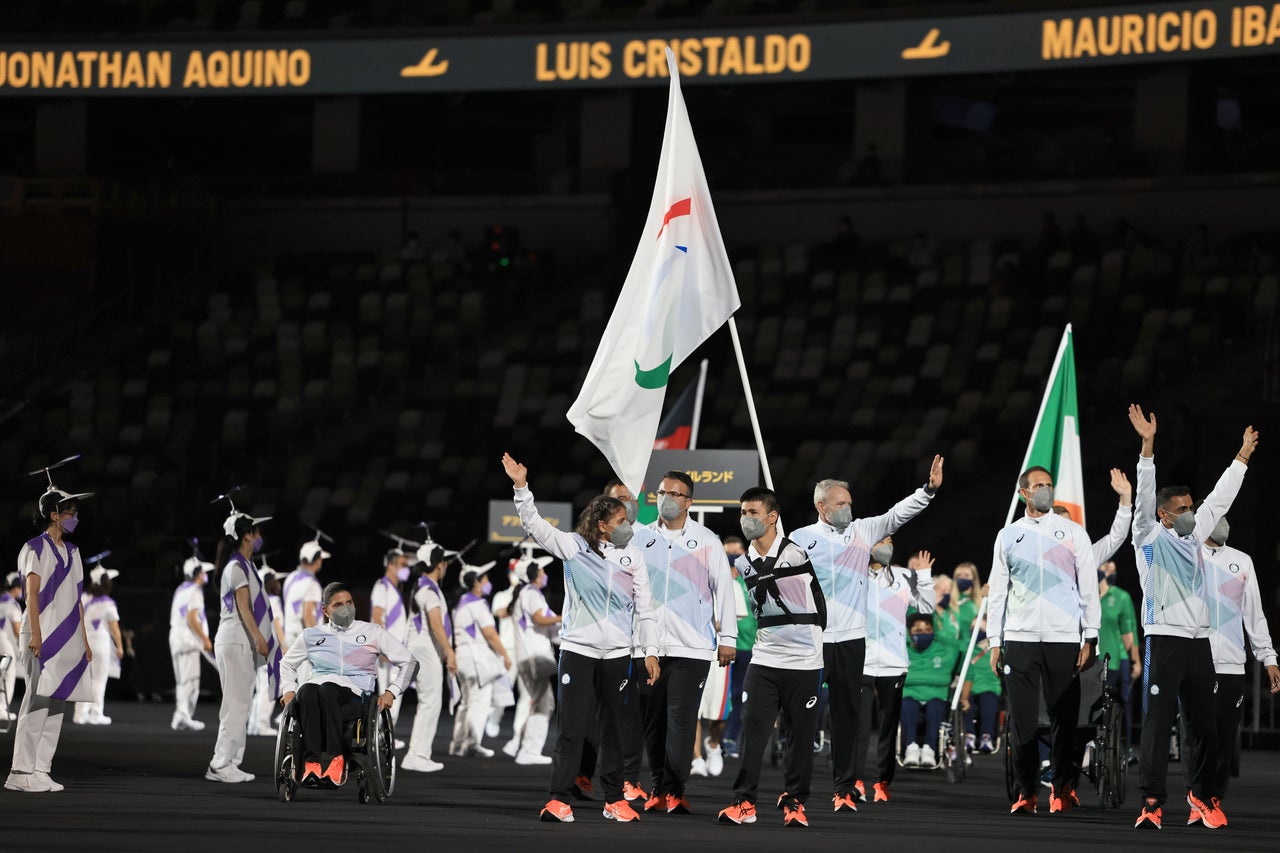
927 758
194 725
492 728
912 756
177 723
31 783
44 777
420 765
511 748
525 757
99 720
715 761
479 751
227 773
699 767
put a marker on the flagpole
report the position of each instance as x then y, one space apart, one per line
697 405
1044 404
751 403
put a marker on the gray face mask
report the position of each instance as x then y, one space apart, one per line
633 510
752 527
668 508
840 517
1042 498
1221 531
1185 523
342 616
621 535
882 554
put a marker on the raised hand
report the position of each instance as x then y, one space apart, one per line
518 473
935 473
1250 443
1145 427
1121 486
921 560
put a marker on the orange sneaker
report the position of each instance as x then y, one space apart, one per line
881 792
861 791
782 797
740 812
311 770
1061 802
677 805
631 792
793 814
621 811
1024 805
655 803
556 811
1210 815
1150 815
581 789
335 772
1217 804
844 803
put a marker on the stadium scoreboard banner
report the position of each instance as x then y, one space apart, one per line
719 476
856 50
504 523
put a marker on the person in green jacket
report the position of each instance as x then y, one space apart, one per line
1117 636
980 697
930 668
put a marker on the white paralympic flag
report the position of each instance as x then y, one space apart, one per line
679 290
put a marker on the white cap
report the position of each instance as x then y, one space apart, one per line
312 550
193 565
471 573
229 526
524 568
12 579
97 574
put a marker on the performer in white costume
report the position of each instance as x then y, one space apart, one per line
102 623
188 638
481 659
244 639
264 704
534 625
430 629
504 689
10 622
54 651
301 595
387 602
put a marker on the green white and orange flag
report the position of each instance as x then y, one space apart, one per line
1055 441
679 290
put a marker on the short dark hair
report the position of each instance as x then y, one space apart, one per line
49 502
1168 493
332 589
919 617
734 538
391 556
608 487
763 495
1024 480
683 478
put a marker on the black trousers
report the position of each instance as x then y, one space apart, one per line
670 712
842 671
1176 670
881 711
1228 703
767 695
320 718
590 694
633 698
1034 670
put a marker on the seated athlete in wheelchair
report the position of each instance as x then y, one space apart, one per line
335 715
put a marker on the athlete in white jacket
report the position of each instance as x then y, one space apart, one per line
1043 625
1235 615
839 547
606 603
691 587
1177 657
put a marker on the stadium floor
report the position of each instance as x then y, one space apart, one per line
137 786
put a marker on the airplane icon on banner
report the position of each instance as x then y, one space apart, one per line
929 48
427 67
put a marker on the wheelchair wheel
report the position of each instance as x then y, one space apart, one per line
381 755
285 756
1120 772
953 752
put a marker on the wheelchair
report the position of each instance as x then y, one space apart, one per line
369 745
1102 721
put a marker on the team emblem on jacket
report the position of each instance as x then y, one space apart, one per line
1059 534
1155 690
564 679
692 544
626 561
360 639
1235 568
